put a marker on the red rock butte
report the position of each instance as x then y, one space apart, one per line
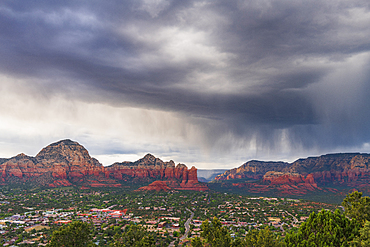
67 163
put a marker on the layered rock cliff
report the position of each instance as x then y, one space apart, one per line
324 173
150 168
188 178
67 163
252 170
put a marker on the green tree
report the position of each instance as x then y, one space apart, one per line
324 229
196 242
216 235
134 236
262 238
364 239
357 207
75 234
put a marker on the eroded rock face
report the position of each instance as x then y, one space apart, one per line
175 185
252 170
157 186
69 159
67 163
303 175
150 168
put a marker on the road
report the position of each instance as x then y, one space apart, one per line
187 225
187 228
295 221
282 228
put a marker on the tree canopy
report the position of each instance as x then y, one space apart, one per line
76 234
364 239
215 234
134 236
357 207
324 229
262 238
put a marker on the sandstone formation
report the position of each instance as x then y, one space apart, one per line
67 163
324 173
252 170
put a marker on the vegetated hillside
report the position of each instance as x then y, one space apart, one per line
331 173
67 163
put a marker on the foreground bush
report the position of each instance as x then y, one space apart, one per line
323 230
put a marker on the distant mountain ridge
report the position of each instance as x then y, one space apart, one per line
323 173
66 163
206 175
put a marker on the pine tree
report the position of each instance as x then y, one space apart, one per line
364 239
76 234
134 236
357 207
323 230
215 234
262 238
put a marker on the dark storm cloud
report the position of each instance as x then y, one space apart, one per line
245 68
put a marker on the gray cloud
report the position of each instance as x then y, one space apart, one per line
265 78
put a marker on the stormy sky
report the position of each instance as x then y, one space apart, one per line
206 83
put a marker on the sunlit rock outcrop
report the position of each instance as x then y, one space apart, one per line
67 163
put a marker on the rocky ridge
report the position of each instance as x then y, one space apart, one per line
67 163
324 173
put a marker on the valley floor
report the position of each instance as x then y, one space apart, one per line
29 217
